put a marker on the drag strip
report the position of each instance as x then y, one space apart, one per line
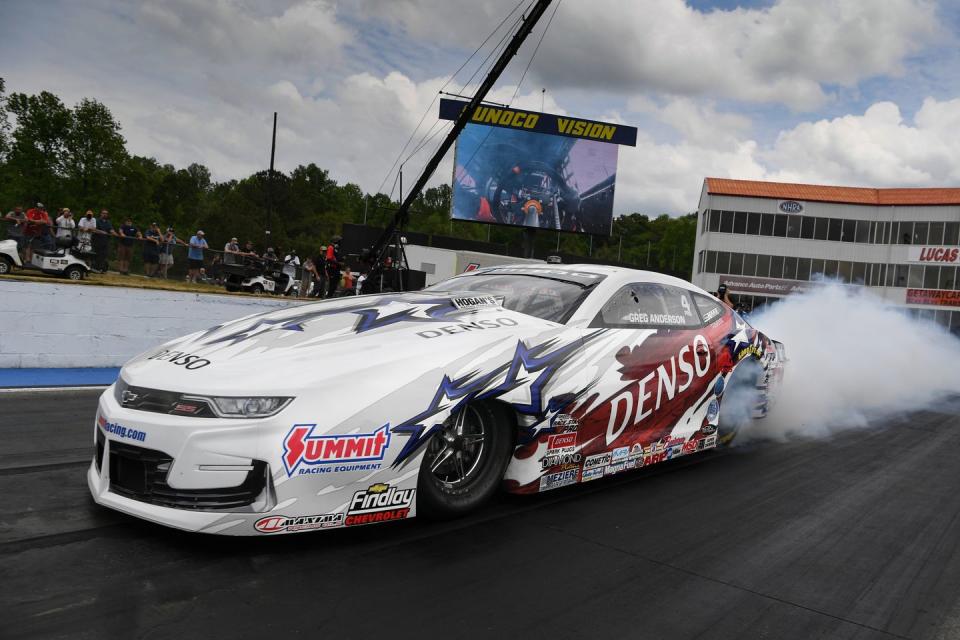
856 537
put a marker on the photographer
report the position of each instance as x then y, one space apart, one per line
724 295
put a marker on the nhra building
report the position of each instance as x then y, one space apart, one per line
767 239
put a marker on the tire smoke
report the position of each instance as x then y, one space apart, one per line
852 361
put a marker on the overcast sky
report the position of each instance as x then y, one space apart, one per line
850 92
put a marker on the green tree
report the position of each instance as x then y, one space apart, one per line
93 154
35 160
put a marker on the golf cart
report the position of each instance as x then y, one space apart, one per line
64 260
9 256
256 275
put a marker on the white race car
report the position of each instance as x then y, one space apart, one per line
376 408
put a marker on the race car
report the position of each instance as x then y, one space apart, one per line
377 408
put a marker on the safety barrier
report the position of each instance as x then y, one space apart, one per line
64 325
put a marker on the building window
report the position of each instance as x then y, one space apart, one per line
711 262
714 221
726 222
790 268
931 277
863 231
736 264
816 268
830 268
915 277
936 233
803 269
905 233
859 273
766 224
806 228
763 266
820 231
948 278
740 222
849 231
836 229
776 266
793 226
920 232
749 264
951 236
845 271
723 262
900 277
780 225
753 224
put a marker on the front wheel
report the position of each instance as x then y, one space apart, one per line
464 463
5 266
740 399
74 273
256 289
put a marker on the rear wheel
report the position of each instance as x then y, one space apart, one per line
73 273
465 462
256 289
5 265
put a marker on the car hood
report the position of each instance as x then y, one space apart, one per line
351 342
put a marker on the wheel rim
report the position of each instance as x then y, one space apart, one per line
74 275
456 452
4 267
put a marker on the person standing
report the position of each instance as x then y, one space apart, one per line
195 255
291 262
231 252
151 250
167 244
85 230
65 228
37 227
101 241
333 266
16 221
128 233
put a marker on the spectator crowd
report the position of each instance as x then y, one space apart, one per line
323 274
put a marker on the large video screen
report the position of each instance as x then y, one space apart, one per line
518 177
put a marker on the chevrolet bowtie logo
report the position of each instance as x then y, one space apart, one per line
128 397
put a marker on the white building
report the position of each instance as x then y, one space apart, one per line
767 239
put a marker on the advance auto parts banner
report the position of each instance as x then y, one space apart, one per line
529 169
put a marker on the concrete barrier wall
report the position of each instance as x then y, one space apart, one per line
63 325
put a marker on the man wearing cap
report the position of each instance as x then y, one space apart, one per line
195 255
38 224
101 241
170 240
86 227
128 233
151 250
231 252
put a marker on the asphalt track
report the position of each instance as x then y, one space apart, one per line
857 537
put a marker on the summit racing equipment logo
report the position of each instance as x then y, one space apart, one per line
276 524
379 503
300 447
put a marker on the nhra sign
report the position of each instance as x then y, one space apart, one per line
541 123
936 297
790 206
935 255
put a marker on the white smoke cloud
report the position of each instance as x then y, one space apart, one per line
852 361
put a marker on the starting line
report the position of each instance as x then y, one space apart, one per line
87 377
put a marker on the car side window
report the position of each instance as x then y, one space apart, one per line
647 304
710 310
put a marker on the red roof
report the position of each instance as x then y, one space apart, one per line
823 193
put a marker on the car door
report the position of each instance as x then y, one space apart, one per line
661 369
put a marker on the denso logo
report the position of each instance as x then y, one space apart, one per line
791 206
185 360
300 447
561 441
693 361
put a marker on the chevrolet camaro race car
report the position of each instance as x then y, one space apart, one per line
376 408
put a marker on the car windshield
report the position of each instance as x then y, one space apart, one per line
545 298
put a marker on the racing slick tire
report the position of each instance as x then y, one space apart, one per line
739 399
5 266
465 462
73 273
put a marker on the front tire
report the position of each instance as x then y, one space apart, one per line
73 273
257 289
5 266
464 463
739 399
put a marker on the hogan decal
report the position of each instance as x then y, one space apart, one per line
466 327
186 360
300 447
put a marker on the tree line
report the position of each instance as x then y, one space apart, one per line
77 157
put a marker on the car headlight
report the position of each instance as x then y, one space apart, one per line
245 406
